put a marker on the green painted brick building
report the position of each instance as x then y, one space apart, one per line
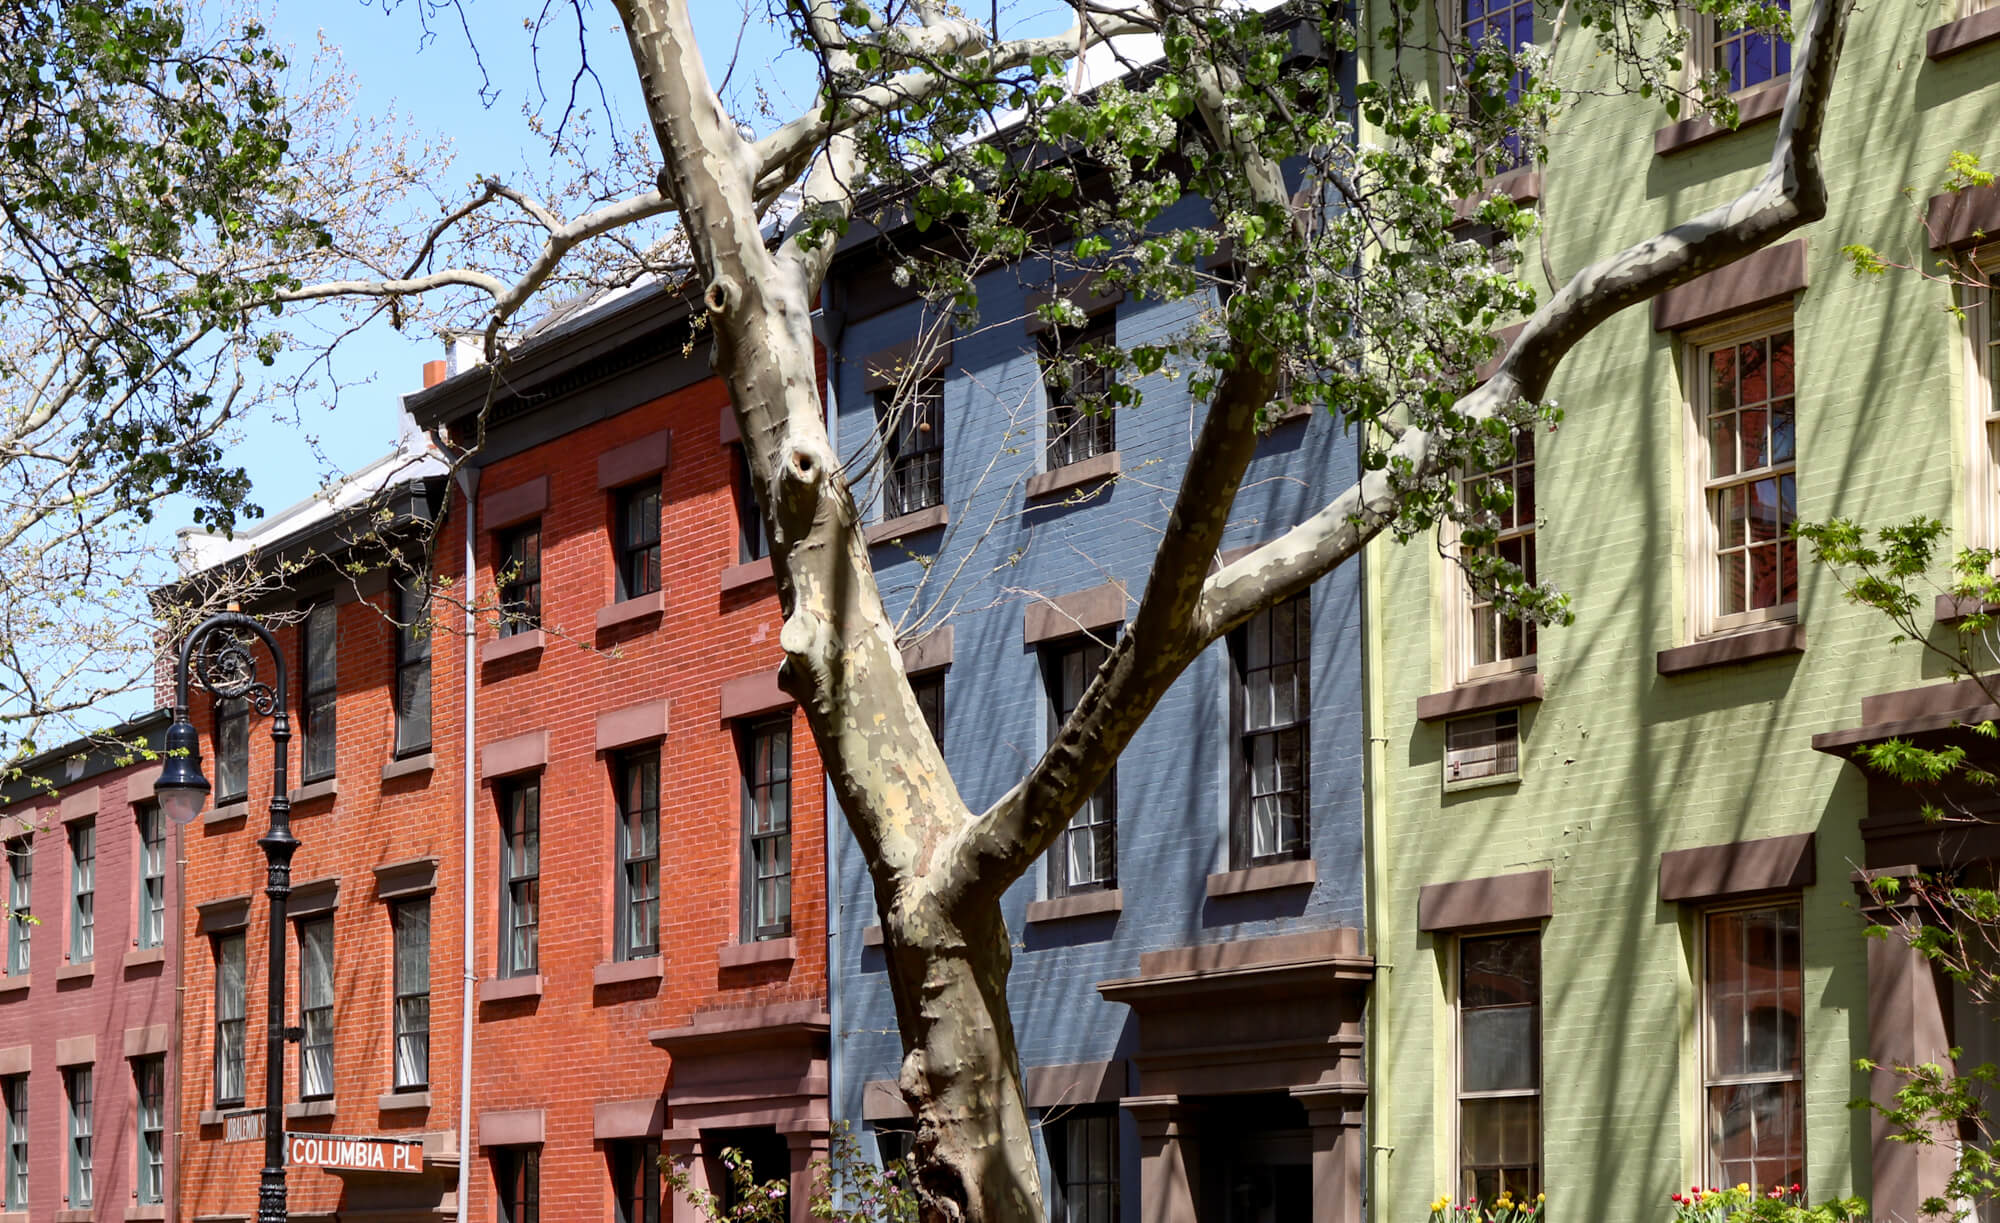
1619 944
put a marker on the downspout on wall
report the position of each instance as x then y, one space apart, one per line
467 478
828 324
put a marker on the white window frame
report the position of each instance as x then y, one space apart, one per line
1703 41
1704 621
1981 403
1706 1172
1458 628
1455 1045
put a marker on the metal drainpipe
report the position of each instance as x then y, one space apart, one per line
828 326
468 483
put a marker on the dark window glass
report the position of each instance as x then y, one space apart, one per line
15 1089
639 853
766 749
20 903
912 428
1272 729
152 916
520 877
639 539
77 1086
411 920
750 542
929 691
517 1172
1496 638
635 1178
322 639
149 1076
316 1008
1500 1066
1083 1155
1752 57
232 750
1503 27
229 997
413 667
1085 857
893 1143
1754 1006
1080 423
82 892
518 564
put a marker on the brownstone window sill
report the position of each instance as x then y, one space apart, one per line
215 1116
13 1216
298 1109
133 1214
1772 641
402 1101
619 972
1950 609
75 972
1083 904
16 985
629 610
871 936
314 791
140 957
1523 186
409 766
1962 35
529 641
768 951
228 811
76 1216
1482 696
749 573
1765 103
510 989
1274 877
1062 479
890 530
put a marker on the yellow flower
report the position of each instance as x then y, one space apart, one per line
1742 1188
1540 1198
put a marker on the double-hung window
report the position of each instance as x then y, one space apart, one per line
766 751
82 891
1746 57
413 667
1085 856
517 1174
316 1008
152 916
635 1178
1273 696
1075 381
639 853
1485 640
912 426
77 1086
229 1016
929 691
1500 1065
1745 565
411 922
20 903
1753 1008
1982 333
14 1095
750 542
322 639
149 1080
518 562
1503 26
1083 1157
639 539
232 750
520 877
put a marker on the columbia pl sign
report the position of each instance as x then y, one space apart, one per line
347 1153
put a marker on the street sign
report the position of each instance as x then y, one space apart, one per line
347 1153
244 1126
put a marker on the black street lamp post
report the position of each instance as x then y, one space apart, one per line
221 653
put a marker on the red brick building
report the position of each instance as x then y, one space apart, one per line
87 985
649 890
376 783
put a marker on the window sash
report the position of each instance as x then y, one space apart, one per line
316 1009
15 1090
929 691
1498 1070
1084 1157
635 1171
152 917
1072 384
20 907
411 922
1085 856
639 854
1753 1068
520 874
519 569
1750 59
750 542
413 668
319 645
767 829
1492 643
1743 475
912 433
639 540
232 749
229 1018
1272 704
149 1075
519 1173
82 892
77 1087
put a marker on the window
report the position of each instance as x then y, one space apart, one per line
149 1077
1487 641
912 428
929 691
316 1008
517 1172
229 997
1085 857
82 891
1982 333
1083 1157
1752 1010
1500 1065
519 563
1079 423
1482 748
750 542
76 1085
639 854
232 750
321 640
520 877
1507 26
1747 570
893 1142
14 1089
766 749
413 667
639 539
411 922
635 1177
20 903
152 917
1273 702
1748 58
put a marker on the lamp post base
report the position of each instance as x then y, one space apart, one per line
271 1196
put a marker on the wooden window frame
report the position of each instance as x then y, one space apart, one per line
635 1180
752 544
223 1022
910 423
14 1099
80 1124
1458 1093
928 688
638 880
517 1177
403 1028
1706 42
1705 1042
757 789
319 692
20 905
518 576
1067 1126
1463 608
150 919
1071 435
636 543
520 889
1104 802
82 838
232 712
1981 337
413 666
149 1093
1242 802
315 1021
